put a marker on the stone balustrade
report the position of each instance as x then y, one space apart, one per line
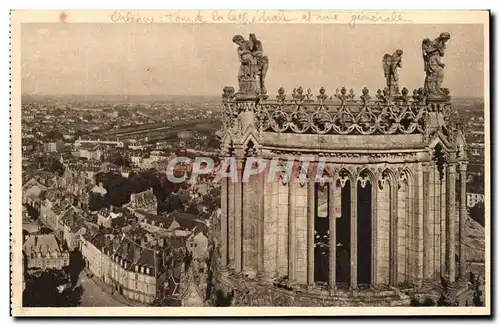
343 113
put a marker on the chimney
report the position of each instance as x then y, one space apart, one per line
71 217
125 247
137 253
116 243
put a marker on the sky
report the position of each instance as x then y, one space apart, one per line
200 59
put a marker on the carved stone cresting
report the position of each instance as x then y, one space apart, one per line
303 114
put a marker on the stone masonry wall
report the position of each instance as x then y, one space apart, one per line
282 230
401 232
301 233
270 235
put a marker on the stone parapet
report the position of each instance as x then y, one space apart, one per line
250 292
340 114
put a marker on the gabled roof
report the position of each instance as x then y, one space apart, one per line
99 190
186 221
41 243
33 182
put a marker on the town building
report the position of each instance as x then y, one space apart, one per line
473 199
145 200
136 272
42 251
32 190
112 143
109 218
53 147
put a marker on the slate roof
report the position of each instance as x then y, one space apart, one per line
41 243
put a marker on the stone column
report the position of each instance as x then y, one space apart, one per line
251 225
230 222
374 233
437 222
393 234
419 225
291 230
333 236
451 218
442 199
237 217
223 221
463 217
311 210
354 235
428 223
260 226
247 228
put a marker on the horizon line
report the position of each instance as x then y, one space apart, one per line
186 95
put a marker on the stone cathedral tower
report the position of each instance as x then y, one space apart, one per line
391 216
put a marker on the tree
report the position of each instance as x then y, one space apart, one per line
171 203
56 167
118 159
53 135
41 291
124 113
58 112
88 117
96 202
477 213
51 164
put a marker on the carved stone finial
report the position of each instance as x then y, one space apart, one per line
343 96
384 95
298 94
419 95
228 92
281 95
366 95
404 95
432 52
322 95
309 95
351 95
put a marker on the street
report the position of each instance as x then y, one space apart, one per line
94 296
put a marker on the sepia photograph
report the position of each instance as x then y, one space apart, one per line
285 160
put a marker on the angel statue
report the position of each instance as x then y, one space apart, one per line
254 64
262 61
432 51
391 63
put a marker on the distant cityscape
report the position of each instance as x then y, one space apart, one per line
102 224
94 174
